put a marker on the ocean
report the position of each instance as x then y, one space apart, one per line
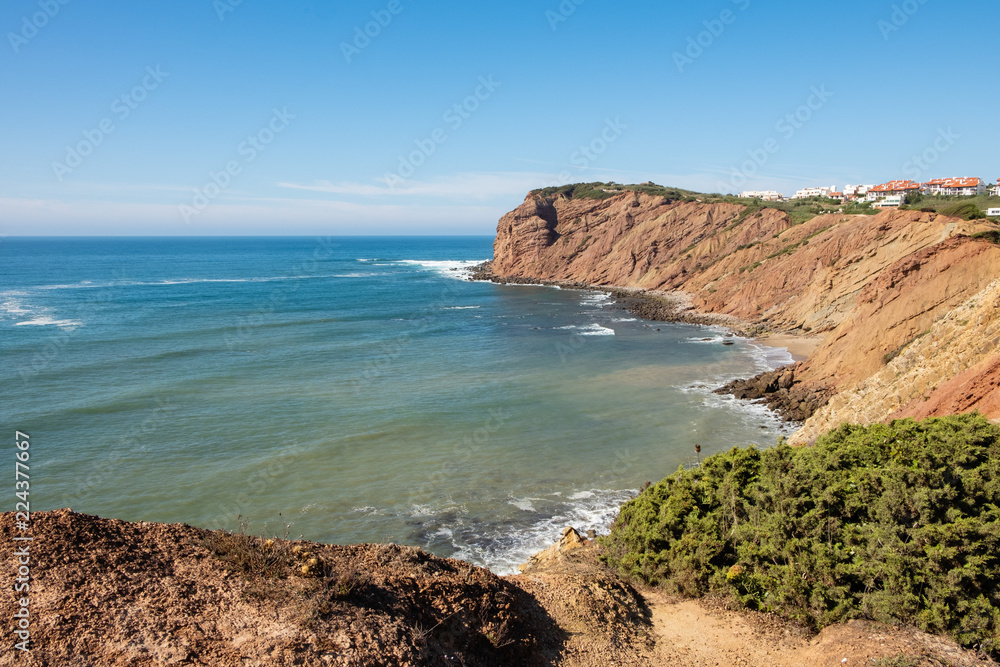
351 389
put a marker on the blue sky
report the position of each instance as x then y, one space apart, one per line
251 117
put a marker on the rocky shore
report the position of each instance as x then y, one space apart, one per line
778 389
653 305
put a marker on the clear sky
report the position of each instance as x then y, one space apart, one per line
223 117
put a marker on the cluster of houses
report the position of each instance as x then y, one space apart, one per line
889 195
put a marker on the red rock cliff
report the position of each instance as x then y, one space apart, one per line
869 283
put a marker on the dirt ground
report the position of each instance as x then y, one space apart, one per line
107 592
665 630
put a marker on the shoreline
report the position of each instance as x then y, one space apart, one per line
676 306
799 347
778 388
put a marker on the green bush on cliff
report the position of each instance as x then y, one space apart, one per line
966 211
897 523
599 190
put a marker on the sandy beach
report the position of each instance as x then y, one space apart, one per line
800 347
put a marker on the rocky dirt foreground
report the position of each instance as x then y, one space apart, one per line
109 592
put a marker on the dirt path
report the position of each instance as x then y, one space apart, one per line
608 622
692 633
688 634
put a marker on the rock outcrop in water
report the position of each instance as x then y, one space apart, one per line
869 284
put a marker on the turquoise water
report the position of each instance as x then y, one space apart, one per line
358 388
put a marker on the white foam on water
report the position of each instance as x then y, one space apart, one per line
435 510
11 304
195 281
589 329
594 510
13 307
596 330
358 275
88 284
754 413
763 359
461 307
524 504
48 321
770 357
595 299
369 511
459 269
713 340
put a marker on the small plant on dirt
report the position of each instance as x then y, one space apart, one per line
898 661
248 554
344 583
499 636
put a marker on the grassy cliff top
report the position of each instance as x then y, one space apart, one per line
799 210
599 190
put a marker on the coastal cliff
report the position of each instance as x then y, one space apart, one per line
868 284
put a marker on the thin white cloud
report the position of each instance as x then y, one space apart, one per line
480 186
276 216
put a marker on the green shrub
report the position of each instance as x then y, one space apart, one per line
991 235
599 190
895 523
966 211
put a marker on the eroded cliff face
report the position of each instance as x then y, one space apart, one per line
869 284
954 366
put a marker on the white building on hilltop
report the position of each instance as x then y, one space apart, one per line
857 190
891 188
815 192
763 195
996 190
955 186
893 201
